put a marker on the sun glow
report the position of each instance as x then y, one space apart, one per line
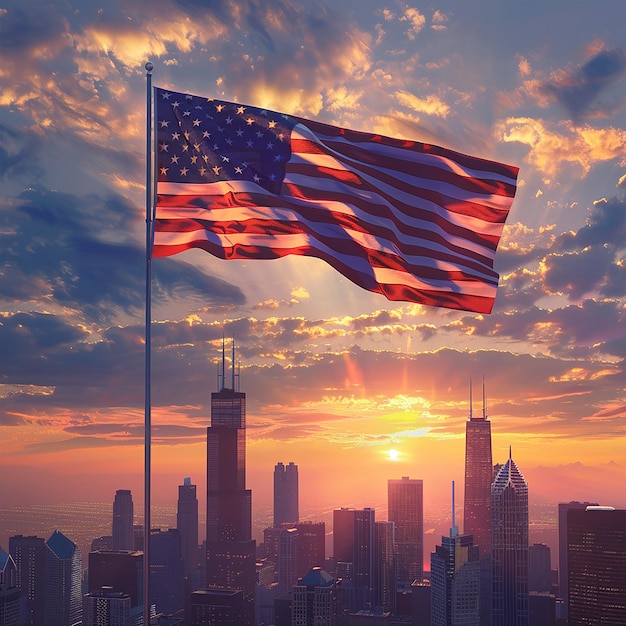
393 455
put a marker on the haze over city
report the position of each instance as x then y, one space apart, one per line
353 388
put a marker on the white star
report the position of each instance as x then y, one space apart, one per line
166 95
163 171
196 122
164 123
175 159
163 147
183 171
240 110
175 136
216 170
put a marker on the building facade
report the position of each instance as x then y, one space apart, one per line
314 600
187 524
123 517
405 502
29 554
230 549
596 554
285 494
106 608
509 547
9 591
478 478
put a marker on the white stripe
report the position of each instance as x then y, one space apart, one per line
239 214
301 131
301 240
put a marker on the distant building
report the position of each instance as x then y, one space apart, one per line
230 549
106 608
509 547
9 591
285 494
405 506
596 554
539 568
64 570
123 516
314 599
29 554
385 566
187 524
478 478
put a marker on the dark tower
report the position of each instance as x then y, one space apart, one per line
478 478
231 551
187 524
285 494
123 515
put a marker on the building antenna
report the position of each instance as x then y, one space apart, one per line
233 364
471 402
454 531
222 385
484 400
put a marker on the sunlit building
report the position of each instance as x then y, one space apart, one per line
405 501
285 493
509 547
596 554
478 478
231 551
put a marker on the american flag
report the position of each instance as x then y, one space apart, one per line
412 221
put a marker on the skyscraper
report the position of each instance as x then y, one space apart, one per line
29 554
455 579
9 591
123 515
166 570
353 546
596 554
478 478
119 571
231 551
385 566
509 547
405 500
187 524
64 570
106 607
285 494
564 507
314 599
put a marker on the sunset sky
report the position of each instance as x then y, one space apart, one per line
351 387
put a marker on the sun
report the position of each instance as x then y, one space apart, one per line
393 455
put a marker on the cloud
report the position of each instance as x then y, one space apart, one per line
577 90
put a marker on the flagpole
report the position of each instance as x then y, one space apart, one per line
147 410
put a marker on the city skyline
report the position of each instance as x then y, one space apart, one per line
331 371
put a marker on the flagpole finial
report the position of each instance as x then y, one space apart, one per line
149 67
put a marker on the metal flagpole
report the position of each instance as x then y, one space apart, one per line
147 412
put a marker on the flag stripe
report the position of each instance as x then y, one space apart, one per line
412 221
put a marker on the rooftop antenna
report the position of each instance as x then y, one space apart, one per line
223 363
471 402
454 531
484 400
233 364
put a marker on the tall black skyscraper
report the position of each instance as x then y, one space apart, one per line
123 515
29 554
187 524
231 551
478 478
596 556
285 494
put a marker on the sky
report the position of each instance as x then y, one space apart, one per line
352 388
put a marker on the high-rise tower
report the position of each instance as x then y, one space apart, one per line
509 547
596 557
478 478
285 494
29 554
405 501
231 551
9 591
187 524
123 515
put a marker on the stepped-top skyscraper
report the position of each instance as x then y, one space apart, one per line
509 547
231 551
478 478
285 493
123 515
